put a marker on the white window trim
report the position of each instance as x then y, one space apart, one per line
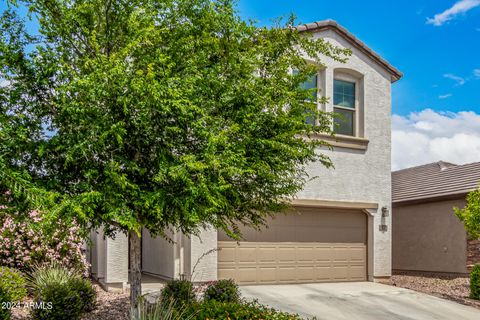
356 119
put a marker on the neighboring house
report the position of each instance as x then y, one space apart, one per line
427 236
340 228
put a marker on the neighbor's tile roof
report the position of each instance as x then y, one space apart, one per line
439 179
332 24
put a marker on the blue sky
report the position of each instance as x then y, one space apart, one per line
430 56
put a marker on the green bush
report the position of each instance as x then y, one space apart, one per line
65 293
475 282
223 291
14 283
5 313
86 291
212 309
180 291
66 303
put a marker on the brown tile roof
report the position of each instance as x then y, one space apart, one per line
434 180
331 24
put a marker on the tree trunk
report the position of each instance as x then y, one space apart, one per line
135 276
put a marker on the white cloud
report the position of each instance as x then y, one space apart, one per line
476 73
458 8
430 136
459 80
444 96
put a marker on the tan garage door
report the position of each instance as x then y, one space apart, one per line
311 245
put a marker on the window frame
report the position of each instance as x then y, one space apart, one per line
318 85
340 76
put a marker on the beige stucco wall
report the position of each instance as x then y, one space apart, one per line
109 259
158 255
429 237
205 244
97 254
361 175
116 255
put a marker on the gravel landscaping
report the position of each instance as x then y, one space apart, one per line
443 286
111 306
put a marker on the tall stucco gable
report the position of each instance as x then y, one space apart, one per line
354 42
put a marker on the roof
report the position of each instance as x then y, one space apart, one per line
331 24
435 180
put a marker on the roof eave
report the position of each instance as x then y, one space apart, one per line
433 198
331 24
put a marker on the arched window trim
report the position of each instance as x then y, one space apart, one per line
353 76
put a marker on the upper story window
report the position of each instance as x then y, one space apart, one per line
310 84
344 106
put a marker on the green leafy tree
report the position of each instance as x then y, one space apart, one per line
470 214
161 115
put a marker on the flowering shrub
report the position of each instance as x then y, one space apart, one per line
31 239
225 290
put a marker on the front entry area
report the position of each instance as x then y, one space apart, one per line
305 246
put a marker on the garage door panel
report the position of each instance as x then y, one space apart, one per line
286 254
306 254
286 274
315 246
267 255
357 272
294 263
227 273
306 274
340 254
323 253
267 274
358 254
340 273
246 255
228 255
247 274
323 272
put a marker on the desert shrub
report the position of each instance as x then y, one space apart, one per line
180 291
163 310
66 303
68 292
212 309
44 275
5 313
87 293
475 282
29 239
13 283
223 291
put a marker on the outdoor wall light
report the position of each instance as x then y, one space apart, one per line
384 212
383 226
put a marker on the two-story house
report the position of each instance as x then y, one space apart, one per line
340 225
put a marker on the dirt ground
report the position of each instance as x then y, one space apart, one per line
449 287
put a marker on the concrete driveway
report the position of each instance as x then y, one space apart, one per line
358 301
